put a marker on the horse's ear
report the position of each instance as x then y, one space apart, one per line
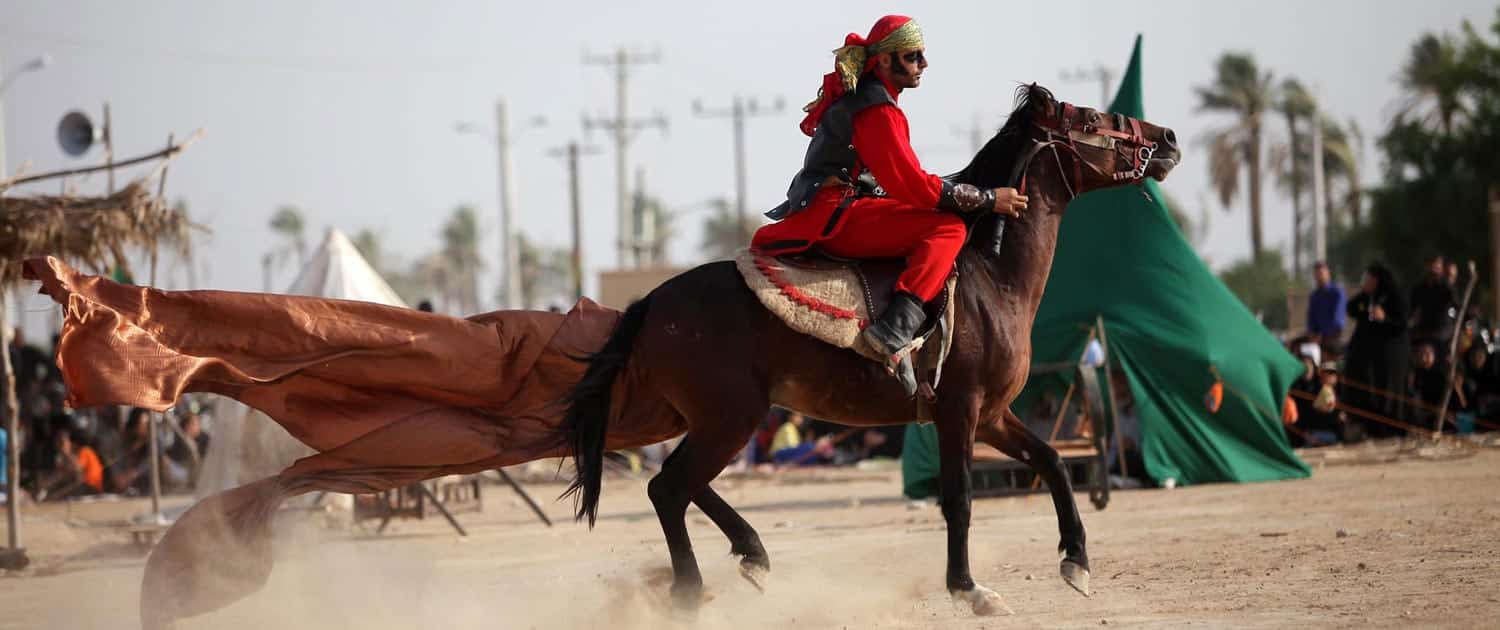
1043 107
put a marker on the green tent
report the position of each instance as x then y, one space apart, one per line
1173 329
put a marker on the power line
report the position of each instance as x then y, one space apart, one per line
300 64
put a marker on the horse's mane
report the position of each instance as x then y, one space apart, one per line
992 165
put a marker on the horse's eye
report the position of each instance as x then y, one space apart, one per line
1095 118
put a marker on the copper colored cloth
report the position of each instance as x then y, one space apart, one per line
388 396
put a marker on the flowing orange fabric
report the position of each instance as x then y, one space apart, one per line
388 396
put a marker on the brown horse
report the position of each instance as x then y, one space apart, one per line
706 346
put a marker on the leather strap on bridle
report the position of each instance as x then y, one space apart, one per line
1062 136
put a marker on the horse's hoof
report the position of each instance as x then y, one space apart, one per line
1076 576
755 574
985 602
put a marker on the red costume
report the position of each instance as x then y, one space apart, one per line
844 221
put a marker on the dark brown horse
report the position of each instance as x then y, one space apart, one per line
705 345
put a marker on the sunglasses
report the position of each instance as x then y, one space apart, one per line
916 57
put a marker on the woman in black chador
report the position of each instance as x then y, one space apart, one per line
1377 353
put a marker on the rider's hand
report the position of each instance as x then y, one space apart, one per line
1009 201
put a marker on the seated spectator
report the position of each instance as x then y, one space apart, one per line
132 474
76 470
791 448
1427 382
184 458
1481 381
1317 421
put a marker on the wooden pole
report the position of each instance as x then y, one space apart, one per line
155 467
11 410
165 154
109 149
1453 358
1109 393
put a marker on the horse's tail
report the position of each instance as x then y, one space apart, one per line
587 417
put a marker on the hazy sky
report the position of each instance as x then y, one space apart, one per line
347 109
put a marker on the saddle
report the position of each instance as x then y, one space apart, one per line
833 299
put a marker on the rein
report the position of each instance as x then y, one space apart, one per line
1062 135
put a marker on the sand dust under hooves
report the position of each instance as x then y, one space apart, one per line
1409 543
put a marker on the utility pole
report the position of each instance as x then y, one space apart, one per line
570 152
739 110
510 259
1101 73
623 129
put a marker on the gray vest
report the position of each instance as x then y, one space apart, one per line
831 151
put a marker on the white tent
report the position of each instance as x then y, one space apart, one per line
246 444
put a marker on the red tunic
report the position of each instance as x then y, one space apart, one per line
905 223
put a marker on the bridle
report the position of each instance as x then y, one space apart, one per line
1065 133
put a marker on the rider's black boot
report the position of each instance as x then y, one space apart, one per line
890 334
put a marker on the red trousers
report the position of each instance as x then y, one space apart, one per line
874 227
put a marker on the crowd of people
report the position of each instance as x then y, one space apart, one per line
69 453
1377 363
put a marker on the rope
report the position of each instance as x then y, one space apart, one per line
1411 401
1409 428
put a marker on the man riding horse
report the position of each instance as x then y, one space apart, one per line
862 193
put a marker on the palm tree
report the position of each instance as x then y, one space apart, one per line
723 235
435 276
288 223
1434 77
461 250
367 242
1342 150
544 271
1239 88
1294 104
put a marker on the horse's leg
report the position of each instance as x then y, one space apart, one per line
955 449
700 457
1012 437
755 564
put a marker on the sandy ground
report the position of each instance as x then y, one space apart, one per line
1407 543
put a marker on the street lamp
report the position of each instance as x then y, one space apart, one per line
5 80
30 66
510 284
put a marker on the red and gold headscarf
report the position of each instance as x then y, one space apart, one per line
892 33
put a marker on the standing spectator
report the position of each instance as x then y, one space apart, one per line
1325 310
1376 356
1433 309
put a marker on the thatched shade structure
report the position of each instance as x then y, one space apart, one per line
94 231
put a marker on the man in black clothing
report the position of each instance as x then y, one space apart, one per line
1433 309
